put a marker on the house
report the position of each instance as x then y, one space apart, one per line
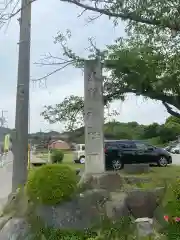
59 144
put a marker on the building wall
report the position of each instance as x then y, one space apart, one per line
59 145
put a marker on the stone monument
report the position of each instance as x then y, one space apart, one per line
93 117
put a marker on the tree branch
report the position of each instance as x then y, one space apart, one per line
170 111
51 73
172 100
126 16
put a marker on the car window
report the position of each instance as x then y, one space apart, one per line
83 148
112 146
128 145
141 145
124 145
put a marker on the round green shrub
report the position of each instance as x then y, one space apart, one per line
51 184
57 156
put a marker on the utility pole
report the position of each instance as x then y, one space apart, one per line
20 138
2 119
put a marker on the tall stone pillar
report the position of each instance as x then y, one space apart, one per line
94 117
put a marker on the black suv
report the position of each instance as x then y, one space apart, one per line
120 152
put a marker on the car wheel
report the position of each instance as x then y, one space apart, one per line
82 160
117 164
163 162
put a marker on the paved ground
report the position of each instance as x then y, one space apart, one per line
5 177
176 159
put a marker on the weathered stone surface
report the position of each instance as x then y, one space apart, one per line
111 181
81 212
94 116
16 229
4 220
144 227
117 207
142 203
136 180
136 168
78 170
87 209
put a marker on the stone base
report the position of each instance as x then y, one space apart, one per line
142 203
111 181
136 168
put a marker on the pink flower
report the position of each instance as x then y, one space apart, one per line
177 219
166 218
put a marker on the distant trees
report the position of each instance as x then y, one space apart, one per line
164 132
70 112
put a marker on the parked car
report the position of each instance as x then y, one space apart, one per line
120 152
168 148
79 154
176 149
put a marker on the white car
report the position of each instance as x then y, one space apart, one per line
79 154
176 149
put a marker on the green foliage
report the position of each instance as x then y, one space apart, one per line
151 130
172 209
107 230
167 134
154 13
51 184
149 55
69 111
155 134
173 123
156 141
146 61
57 156
58 234
172 120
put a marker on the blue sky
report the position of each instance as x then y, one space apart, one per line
49 17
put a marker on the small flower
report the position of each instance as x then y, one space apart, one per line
166 218
177 219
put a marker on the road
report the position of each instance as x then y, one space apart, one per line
5 177
176 159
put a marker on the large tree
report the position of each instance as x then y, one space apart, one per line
70 113
146 62
160 13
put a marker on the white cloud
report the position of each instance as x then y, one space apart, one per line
49 17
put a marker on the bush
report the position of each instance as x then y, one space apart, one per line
57 156
51 184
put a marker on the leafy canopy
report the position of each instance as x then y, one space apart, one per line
70 112
145 62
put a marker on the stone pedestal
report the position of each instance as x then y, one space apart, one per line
93 117
110 181
144 227
136 168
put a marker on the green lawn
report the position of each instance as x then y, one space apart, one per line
168 172
68 159
156 172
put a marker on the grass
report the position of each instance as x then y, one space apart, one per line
169 172
156 172
68 159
